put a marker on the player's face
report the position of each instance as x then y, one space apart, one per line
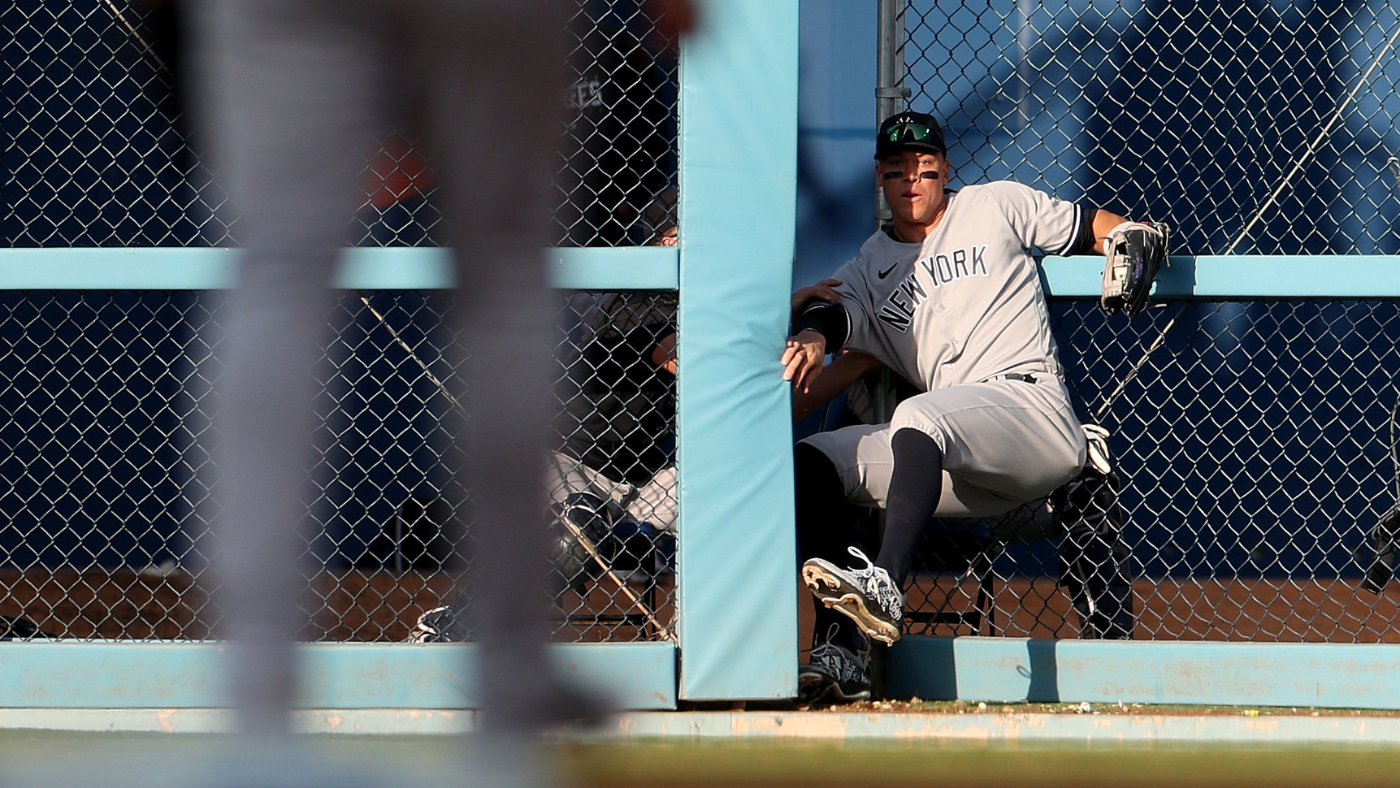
913 184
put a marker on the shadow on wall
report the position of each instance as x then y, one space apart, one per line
1190 114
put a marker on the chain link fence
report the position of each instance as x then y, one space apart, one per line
1262 127
107 496
1256 455
106 398
96 151
94 155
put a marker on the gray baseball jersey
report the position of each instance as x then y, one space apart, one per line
966 304
954 315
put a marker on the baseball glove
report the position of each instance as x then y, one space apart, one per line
1135 252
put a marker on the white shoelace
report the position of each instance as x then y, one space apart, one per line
840 663
884 593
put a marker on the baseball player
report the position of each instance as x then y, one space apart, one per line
948 296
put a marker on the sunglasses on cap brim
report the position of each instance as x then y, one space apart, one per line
911 132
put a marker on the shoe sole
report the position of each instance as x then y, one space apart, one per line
812 690
846 600
842 697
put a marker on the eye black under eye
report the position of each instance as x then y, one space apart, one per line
930 175
893 175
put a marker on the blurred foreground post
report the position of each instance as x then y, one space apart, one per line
291 92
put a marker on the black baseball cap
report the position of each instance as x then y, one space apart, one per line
909 131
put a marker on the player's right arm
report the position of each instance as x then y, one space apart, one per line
821 291
835 378
820 325
802 358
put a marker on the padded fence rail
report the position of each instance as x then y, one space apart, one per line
106 441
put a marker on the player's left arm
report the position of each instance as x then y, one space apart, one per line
1135 251
1057 227
1098 223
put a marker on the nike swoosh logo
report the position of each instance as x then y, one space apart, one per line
886 272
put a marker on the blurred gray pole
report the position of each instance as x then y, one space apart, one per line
890 93
293 92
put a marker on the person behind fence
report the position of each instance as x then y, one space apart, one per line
612 480
618 146
948 296
615 475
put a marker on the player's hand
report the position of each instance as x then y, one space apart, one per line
822 290
802 359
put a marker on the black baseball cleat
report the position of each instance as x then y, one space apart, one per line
835 674
867 596
440 625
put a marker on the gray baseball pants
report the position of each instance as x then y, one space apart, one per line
292 91
1003 442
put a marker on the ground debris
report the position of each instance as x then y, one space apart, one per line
1118 708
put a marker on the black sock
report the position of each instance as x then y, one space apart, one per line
825 529
916 484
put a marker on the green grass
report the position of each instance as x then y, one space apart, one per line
820 764
809 763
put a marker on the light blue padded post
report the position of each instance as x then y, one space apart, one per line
737 577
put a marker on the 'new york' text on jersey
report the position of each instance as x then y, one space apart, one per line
966 304
900 306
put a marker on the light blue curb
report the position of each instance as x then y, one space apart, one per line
1090 727
319 721
1323 675
772 726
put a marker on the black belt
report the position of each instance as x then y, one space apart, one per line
1012 376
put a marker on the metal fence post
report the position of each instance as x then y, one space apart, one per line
890 93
